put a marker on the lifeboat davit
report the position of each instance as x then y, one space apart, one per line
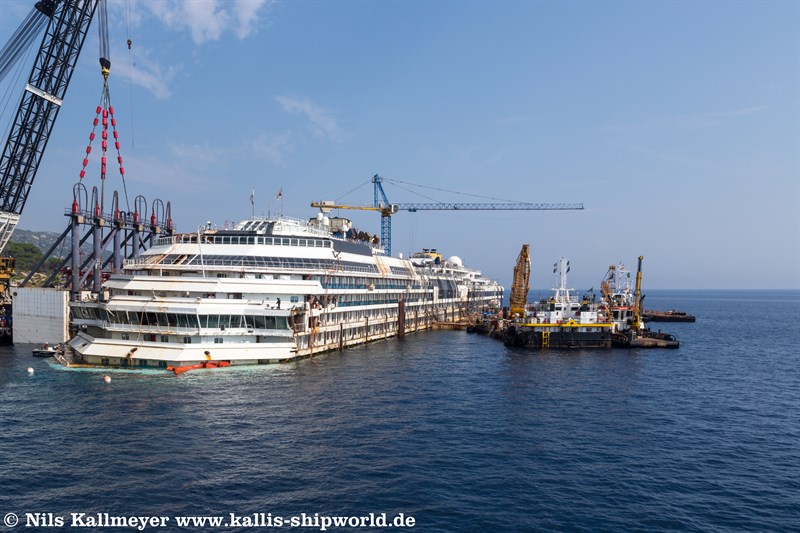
205 364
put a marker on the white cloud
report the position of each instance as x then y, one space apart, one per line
246 16
147 73
198 154
322 123
271 147
208 20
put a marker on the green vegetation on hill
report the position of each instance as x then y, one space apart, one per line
27 256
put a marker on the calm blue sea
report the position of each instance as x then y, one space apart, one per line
453 429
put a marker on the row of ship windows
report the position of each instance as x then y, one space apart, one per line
192 340
270 262
249 239
180 320
379 285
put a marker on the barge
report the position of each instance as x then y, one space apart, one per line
562 321
667 316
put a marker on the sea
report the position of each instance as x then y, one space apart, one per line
447 430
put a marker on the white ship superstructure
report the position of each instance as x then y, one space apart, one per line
267 291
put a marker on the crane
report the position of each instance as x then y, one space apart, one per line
47 84
521 282
387 209
636 324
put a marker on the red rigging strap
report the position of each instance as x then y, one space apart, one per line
103 113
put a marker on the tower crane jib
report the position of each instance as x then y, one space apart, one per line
387 209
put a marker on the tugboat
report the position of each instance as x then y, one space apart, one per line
631 332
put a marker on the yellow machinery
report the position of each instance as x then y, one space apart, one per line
637 299
6 271
521 283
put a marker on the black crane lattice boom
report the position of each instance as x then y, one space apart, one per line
39 106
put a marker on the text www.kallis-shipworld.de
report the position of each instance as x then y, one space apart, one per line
140 523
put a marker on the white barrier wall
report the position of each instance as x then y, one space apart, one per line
40 315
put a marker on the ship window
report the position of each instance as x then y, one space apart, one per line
237 321
217 340
142 362
250 321
224 321
187 340
269 322
126 336
294 299
172 320
164 338
281 322
213 321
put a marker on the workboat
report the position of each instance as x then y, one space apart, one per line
267 290
46 350
562 320
619 302
618 297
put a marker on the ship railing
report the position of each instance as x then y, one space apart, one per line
238 265
182 330
304 241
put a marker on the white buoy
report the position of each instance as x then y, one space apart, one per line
30 370
107 379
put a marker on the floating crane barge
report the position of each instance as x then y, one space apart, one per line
564 321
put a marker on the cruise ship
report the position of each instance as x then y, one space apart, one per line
269 290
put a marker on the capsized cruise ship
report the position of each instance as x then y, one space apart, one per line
267 291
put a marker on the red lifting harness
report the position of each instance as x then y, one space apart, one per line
103 113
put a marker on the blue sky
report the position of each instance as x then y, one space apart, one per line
677 124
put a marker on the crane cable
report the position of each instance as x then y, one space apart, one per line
395 182
105 111
130 71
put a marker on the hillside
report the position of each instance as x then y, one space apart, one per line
43 240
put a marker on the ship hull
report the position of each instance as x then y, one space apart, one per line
561 338
86 350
